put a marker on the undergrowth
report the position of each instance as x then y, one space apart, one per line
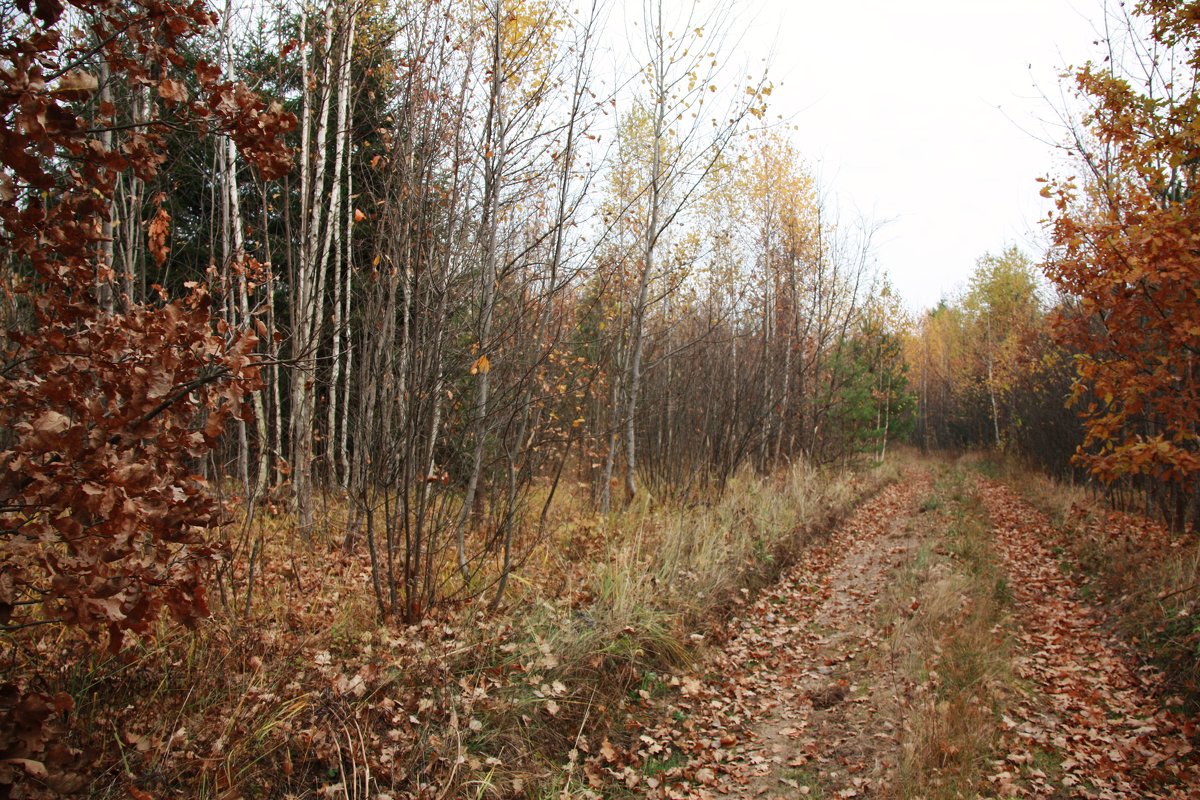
312 695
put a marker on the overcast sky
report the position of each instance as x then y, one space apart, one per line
927 114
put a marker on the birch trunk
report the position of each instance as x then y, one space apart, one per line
309 294
633 380
104 271
341 159
235 230
991 382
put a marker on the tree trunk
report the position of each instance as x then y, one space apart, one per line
308 300
633 381
494 146
992 384
104 270
341 164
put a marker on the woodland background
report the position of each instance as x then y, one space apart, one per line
335 330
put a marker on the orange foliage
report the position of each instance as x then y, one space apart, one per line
1125 245
104 411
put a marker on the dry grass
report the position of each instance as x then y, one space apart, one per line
313 695
952 599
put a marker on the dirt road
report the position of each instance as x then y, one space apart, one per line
932 646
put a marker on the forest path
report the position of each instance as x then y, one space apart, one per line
934 645
791 704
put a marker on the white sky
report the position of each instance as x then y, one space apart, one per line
927 114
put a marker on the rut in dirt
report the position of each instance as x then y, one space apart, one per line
1091 709
782 697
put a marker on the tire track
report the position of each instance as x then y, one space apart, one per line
1090 710
782 699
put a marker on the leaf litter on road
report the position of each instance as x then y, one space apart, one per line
1089 708
792 702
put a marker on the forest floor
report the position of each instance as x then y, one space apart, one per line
935 628
938 644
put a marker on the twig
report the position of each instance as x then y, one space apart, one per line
458 759
1162 597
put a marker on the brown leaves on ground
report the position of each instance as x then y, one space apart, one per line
793 704
778 707
1091 725
799 698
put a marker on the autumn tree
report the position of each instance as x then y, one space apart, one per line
1124 251
877 401
779 212
681 142
759 299
974 357
1003 311
109 400
464 397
